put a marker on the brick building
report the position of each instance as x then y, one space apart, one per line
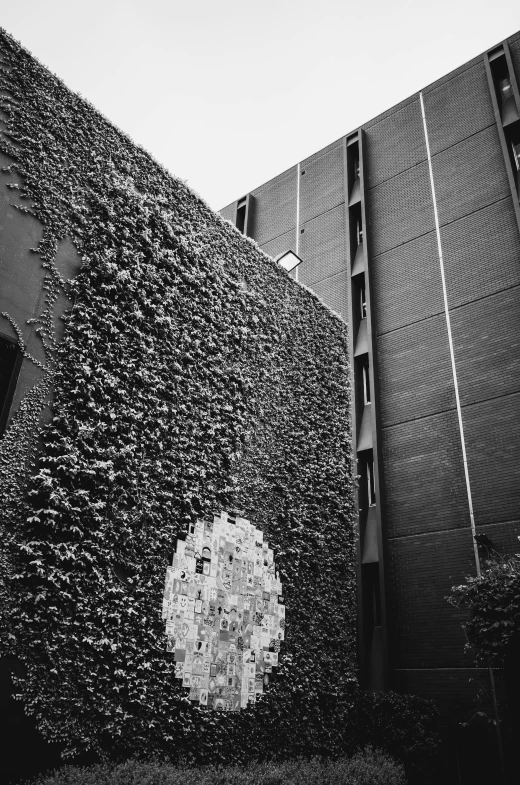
409 228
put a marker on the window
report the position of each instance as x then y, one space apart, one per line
516 155
244 214
508 109
10 361
359 231
512 134
363 299
241 215
505 89
371 488
355 164
366 383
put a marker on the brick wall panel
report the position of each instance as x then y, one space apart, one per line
470 175
492 430
274 210
424 476
503 536
331 146
406 284
452 74
322 185
481 253
323 246
458 108
333 292
394 144
487 347
285 242
426 630
393 109
414 371
400 209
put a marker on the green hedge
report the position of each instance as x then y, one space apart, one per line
194 375
365 768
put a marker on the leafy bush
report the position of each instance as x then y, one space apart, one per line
370 767
493 601
404 726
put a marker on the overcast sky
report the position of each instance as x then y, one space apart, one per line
228 94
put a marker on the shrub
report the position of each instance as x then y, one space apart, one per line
493 600
404 726
369 767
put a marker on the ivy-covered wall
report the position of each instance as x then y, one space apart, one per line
192 375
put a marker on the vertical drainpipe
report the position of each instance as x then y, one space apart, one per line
298 176
459 411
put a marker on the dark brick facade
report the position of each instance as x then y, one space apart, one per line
425 512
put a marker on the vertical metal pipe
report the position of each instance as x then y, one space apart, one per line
298 176
459 415
450 341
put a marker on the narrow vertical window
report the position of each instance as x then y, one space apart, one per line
359 230
363 299
241 215
370 482
515 155
356 164
506 90
244 215
502 83
10 359
366 383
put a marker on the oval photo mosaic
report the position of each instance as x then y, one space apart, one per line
224 612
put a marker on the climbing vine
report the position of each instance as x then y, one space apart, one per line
194 375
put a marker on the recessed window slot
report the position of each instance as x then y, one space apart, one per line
241 215
371 488
363 299
10 361
504 90
512 134
359 230
244 211
366 383
354 169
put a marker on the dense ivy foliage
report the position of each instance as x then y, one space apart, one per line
493 601
194 375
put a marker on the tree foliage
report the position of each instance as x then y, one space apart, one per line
493 601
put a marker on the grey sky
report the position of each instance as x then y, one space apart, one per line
227 95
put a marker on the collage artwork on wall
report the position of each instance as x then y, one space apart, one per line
224 612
